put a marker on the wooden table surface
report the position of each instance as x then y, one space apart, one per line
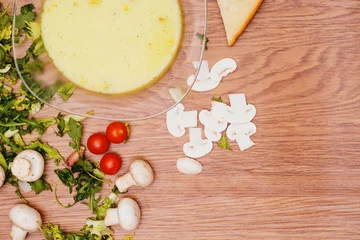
299 64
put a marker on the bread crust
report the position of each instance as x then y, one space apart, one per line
242 28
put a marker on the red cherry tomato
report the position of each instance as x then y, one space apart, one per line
110 163
98 143
117 132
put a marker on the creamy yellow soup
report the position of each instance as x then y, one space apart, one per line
112 46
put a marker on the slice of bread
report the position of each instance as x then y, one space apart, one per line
236 15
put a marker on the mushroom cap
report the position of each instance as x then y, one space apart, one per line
142 173
129 214
244 116
222 69
202 85
203 82
188 166
2 176
37 165
238 129
25 217
211 135
198 150
197 146
212 121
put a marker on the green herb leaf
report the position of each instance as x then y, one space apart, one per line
75 133
100 211
27 15
85 183
61 125
115 190
3 162
201 37
67 178
223 143
66 91
13 181
46 150
129 237
217 99
40 185
53 232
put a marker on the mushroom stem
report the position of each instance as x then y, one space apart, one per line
217 108
195 135
244 142
238 102
21 167
112 196
187 119
111 217
17 233
124 182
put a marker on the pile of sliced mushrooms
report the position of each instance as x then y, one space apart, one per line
234 119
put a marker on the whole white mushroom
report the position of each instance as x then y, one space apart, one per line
127 214
25 220
189 166
140 174
28 166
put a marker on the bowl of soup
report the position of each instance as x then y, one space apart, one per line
115 59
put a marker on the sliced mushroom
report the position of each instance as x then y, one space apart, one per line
203 82
222 69
188 166
211 135
240 111
25 219
213 120
202 86
28 166
204 72
2 176
127 214
177 120
140 174
197 147
244 142
242 133
239 129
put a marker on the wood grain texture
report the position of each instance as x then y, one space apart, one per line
299 64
